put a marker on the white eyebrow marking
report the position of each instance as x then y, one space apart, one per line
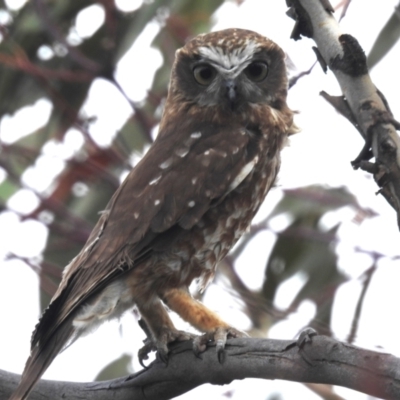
231 59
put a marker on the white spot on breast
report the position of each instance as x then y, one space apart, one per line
194 180
238 233
200 224
157 202
243 173
191 203
207 152
275 114
182 152
195 135
209 265
166 163
183 254
174 264
217 250
136 215
235 150
155 180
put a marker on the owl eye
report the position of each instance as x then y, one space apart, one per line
257 71
204 74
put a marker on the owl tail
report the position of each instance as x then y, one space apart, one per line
42 355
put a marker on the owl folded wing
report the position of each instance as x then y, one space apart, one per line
172 186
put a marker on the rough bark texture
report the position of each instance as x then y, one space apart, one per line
321 360
362 103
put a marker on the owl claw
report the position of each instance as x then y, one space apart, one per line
166 337
162 354
219 336
143 353
200 343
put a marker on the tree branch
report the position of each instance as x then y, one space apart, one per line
362 103
321 360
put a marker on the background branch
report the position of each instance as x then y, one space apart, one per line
367 107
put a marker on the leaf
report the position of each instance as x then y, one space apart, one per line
305 248
7 189
386 39
117 368
33 141
313 200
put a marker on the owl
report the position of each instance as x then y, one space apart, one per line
184 205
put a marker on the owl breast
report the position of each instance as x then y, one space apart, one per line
196 252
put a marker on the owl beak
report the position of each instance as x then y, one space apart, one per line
231 92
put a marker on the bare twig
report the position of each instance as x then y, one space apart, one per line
324 391
293 80
22 63
345 4
367 280
55 32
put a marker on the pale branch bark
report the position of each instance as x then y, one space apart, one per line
321 360
361 103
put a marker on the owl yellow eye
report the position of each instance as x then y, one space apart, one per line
257 71
204 74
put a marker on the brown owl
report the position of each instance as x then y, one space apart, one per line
185 204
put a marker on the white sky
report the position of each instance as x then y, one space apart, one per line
321 153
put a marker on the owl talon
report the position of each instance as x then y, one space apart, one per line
160 346
200 343
219 336
162 354
143 353
221 355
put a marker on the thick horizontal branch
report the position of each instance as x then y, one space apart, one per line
361 102
322 360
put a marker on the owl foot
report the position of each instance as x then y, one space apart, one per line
219 336
160 345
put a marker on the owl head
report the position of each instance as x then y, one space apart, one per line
230 69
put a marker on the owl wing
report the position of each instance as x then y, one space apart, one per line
174 184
